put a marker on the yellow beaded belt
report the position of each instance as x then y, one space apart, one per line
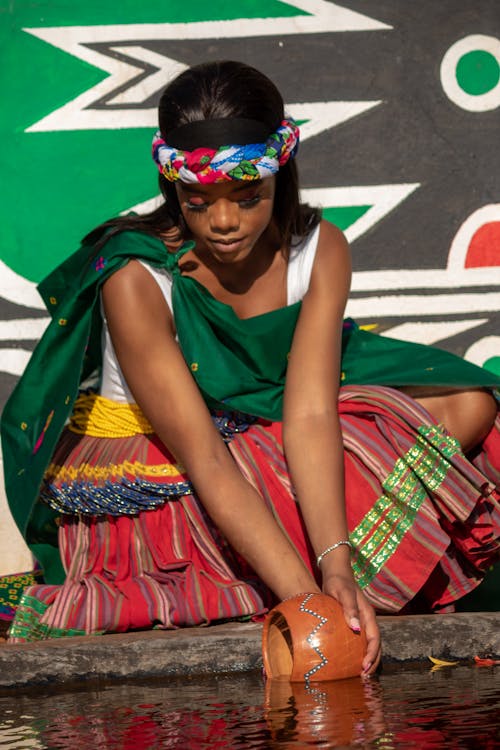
98 416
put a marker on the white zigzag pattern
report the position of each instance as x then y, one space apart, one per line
311 637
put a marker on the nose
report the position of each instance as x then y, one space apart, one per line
224 216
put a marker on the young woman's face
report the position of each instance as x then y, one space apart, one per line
228 218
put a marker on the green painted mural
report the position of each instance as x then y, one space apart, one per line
399 110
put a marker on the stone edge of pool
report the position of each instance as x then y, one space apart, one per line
230 647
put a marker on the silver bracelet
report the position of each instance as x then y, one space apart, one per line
330 549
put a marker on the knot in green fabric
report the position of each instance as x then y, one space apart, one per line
172 259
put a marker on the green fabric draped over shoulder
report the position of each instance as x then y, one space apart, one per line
238 364
68 353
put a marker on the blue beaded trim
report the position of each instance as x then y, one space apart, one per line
131 497
230 423
113 499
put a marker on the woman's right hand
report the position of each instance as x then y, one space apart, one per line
358 613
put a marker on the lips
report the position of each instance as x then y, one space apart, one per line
228 244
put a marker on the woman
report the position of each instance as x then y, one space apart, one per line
219 466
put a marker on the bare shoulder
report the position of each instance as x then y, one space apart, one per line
133 301
332 244
131 276
131 285
332 265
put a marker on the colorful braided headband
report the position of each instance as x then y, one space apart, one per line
252 161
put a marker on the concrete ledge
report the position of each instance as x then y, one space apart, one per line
231 647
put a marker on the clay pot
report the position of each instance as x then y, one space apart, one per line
306 638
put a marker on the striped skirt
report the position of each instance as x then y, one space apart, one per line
140 552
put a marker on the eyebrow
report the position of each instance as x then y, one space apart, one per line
188 187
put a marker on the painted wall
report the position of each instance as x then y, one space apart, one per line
399 104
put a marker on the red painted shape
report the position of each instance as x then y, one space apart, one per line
484 248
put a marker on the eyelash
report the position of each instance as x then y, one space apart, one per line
245 203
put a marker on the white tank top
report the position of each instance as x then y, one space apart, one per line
113 384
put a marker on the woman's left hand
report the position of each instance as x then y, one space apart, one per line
358 613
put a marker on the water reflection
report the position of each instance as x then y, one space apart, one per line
341 713
455 707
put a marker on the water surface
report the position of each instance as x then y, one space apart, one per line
455 707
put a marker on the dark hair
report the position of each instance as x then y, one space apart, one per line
214 90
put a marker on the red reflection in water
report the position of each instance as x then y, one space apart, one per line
455 708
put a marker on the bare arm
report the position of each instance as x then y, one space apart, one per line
142 331
311 427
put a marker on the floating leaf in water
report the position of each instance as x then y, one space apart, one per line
486 662
442 662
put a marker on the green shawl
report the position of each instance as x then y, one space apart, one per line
238 365
67 355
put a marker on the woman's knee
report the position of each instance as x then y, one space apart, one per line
468 415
